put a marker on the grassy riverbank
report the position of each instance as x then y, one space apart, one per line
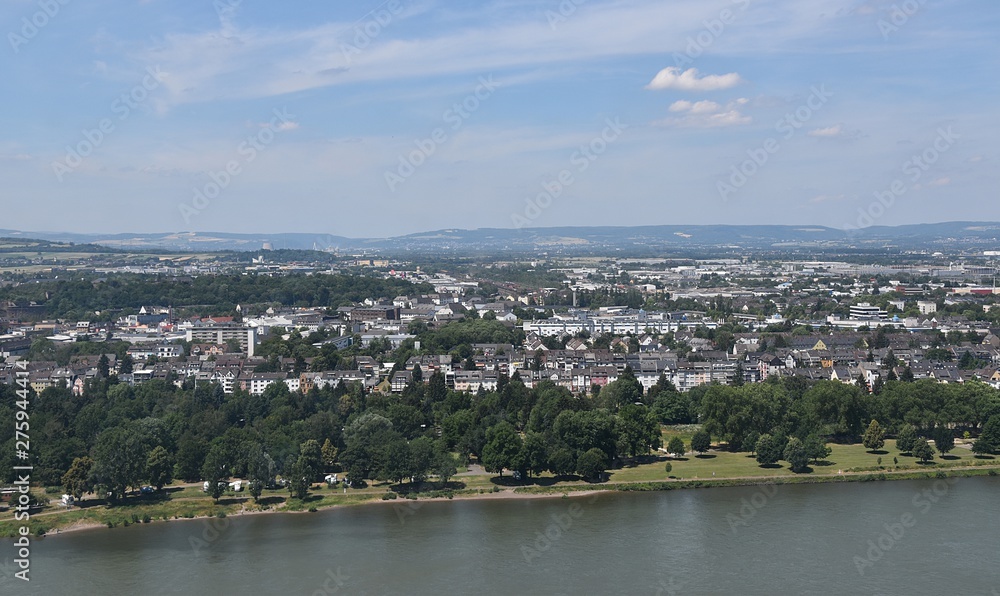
847 463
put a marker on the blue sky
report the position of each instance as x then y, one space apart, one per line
378 119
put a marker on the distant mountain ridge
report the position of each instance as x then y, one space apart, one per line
973 234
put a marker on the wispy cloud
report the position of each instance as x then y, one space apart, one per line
699 107
235 62
673 78
707 114
829 132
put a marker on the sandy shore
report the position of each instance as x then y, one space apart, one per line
507 494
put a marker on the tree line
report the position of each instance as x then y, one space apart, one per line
118 437
79 298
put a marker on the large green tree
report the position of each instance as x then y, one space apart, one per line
991 433
260 469
503 445
944 440
768 450
120 456
731 413
923 451
701 441
815 448
215 470
444 466
160 467
76 480
676 446
874 437
533 459
796 455
591 464
906 438
638 430
365 442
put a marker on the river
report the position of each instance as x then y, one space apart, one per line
903 537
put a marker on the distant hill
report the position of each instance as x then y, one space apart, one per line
25 244
985 235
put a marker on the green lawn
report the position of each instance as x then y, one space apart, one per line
844 458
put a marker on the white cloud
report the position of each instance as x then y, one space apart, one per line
681 105
830 131
673 78
945 181
707 114
701 107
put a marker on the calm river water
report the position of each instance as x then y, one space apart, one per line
907 537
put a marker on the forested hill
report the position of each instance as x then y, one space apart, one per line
217 294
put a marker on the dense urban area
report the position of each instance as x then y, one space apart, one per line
159 377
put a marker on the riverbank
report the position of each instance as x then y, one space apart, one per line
604 543
187 507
